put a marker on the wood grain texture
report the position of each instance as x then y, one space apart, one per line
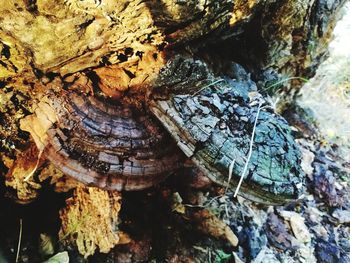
90 220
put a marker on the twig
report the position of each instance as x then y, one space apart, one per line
35 168
194 206
19 239
201 249
230 170
249 153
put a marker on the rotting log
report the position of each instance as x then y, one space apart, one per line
116 52
132 37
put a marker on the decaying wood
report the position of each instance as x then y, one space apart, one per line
90 220
29 171
283 39
26 164
70 36
82 34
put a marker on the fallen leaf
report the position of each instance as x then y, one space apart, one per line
46 244
61 257
299 228
277 233
327 252
177 204
210 224
343 216
306 161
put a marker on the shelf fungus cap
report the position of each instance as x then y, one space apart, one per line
114 147
230 132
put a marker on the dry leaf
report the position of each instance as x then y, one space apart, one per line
212 225
26 164
299 228
61 257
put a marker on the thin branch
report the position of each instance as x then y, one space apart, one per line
249 153
230 170
19 239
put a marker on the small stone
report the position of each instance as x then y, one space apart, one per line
338 186
222 126
236 257
314 215
306 254
306 161
320 231
299 228
343 216
310 198
287 214
270 209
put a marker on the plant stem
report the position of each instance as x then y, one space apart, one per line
19 239
249 153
